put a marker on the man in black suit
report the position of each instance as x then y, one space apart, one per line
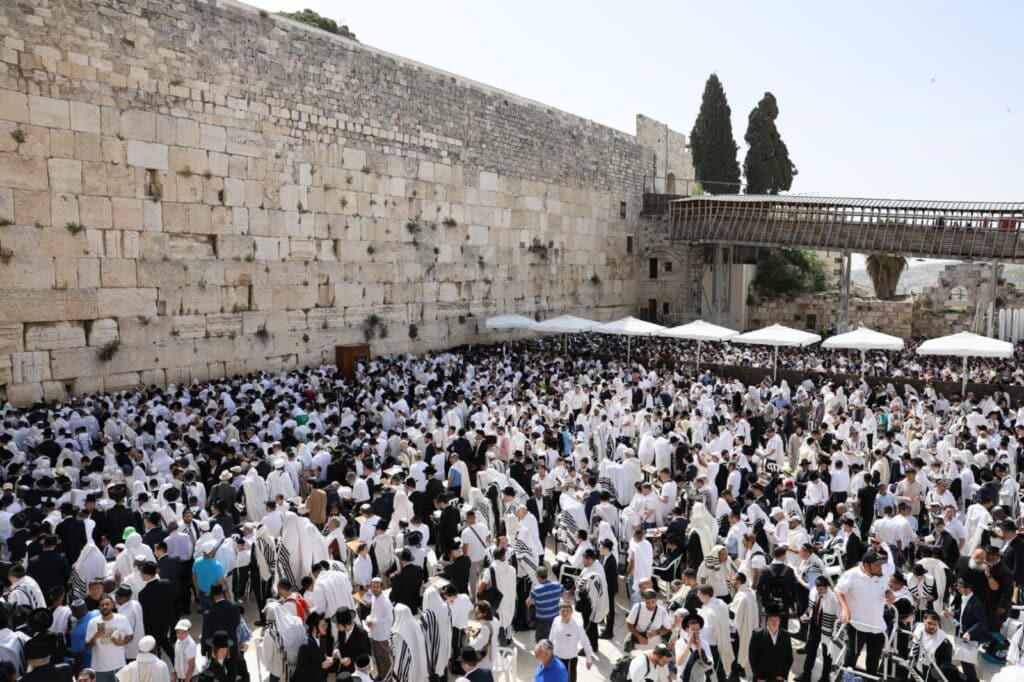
469 660
17 544
771 651
154 530
853 548
118 517
223 615
972 625
1013 552
447 526
777 586
611 575
407 583
457 570
352 640
158 607
169 568
50 569
71 532
538 505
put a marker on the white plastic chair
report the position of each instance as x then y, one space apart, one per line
505 665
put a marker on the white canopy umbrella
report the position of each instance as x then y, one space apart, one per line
506 322
966 345
777 335
564 324
629 327
699 331
864 339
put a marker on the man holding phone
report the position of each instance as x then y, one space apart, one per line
107 637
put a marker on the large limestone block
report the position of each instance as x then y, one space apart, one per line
12 338
147 155
48 112
43 337
137 124
212 138
120 382
96 212
125 302
30 367
87 385
85 117
245 143
13 106
103 331
23 172
65 175
54 391
22 395
187 246
226 324
40 305
118 272
27 272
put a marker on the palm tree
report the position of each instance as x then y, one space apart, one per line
885 272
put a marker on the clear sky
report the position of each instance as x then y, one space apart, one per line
910 99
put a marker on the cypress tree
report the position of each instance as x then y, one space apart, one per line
767 167
712 143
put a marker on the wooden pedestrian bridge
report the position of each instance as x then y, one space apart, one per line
926 229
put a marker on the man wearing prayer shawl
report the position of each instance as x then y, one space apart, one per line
746 619
592 595
436 622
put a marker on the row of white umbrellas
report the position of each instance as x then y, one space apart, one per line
963 345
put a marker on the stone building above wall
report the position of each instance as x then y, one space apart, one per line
193 189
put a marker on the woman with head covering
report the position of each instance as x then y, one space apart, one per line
436 622
408 649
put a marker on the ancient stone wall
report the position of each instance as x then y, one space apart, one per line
193 189
815 312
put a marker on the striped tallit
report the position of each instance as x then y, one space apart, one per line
265 556
526 561
432 637
284 565
401 655
568 527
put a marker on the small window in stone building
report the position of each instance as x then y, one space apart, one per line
629 244
812 322
622 210
664 308
668 266
958 294
154 188
652 268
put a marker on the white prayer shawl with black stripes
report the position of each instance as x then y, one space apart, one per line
383 550
266 555
436 621
571 519
923 647
408 649
524 549
593 587
289 550
924 591
27 593
90 566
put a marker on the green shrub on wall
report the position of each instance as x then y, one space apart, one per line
789 272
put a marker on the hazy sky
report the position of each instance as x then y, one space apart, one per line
918 99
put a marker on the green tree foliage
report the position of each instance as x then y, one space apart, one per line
885 272
789 272
308 16
767 167
712 143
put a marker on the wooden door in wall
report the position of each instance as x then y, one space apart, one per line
346 357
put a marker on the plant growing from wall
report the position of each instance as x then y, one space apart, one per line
108 351
885 272
374 326
4 222
6 254
414 331
308 16
449 222
18 135
538 248
74 228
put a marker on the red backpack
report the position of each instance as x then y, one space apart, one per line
301 606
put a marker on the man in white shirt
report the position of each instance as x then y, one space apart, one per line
650 667
475 537
568 637
184 652
640 565
861 594
380 620
648 621
131 609
108 635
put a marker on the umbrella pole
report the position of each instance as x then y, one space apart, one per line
963 384
775 366
629 347
698 355
565 344
863 359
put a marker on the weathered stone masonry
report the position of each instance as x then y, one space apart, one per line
191 189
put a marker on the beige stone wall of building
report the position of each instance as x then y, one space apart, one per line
815 312
671 171
193 189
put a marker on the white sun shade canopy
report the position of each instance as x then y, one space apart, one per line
967 345
508 322
777 335
699 330
629 326
564 324
864 339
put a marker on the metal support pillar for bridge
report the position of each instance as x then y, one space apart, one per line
717 283
845 271
992 292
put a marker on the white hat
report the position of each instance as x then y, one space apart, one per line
183 624
208 546
225 475
147 644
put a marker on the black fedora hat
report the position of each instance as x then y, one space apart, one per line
220 640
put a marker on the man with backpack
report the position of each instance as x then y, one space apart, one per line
777 586
649 666
647 622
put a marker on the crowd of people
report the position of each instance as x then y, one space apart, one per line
427 519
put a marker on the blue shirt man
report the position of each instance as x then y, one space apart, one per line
549 668
544 597
82 653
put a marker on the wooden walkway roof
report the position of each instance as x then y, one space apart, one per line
928 229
